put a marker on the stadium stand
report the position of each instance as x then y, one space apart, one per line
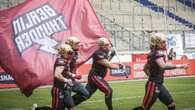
153 7
177 8
130 22
138 19
188 3
9 3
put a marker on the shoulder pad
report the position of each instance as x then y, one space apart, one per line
60 62
100 55
160 53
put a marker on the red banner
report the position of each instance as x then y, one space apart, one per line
139 57
135 72
31 31
138 69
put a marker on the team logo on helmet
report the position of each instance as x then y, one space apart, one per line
64 50
103 42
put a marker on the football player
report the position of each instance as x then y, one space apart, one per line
155 68
101 62
77 87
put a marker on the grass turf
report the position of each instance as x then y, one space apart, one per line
126 95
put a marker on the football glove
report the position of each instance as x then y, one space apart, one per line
78 76
121 66
113 53
68 82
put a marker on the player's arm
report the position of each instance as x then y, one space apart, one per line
166 66
108 64
75 75
58 74
146 69
110 58
112 54
60 62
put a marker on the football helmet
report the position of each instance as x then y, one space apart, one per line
65 50
103 42
73 41
157 40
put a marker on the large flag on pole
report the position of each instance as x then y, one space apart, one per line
30 32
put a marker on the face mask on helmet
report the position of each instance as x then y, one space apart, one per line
65 51
73 41
104 44
158 41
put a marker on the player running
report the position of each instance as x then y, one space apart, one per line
155 68
101 62
61 90
77 87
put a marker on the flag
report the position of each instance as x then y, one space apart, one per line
31 31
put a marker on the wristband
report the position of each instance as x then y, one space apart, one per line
65 80
73 75
120 66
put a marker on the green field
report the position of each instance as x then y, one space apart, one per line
126 95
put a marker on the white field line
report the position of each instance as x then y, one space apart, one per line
122 98
134 97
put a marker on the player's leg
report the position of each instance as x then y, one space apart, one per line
166 98
78 88
57 99
103 86
90 87
68 101
149 97
43 108
151 94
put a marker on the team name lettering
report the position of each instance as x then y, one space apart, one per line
35 25
5 78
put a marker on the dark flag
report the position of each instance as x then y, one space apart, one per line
31 31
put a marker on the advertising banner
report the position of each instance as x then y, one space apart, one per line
6 80
175 41
139 57
134 71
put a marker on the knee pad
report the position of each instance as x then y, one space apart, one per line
86 94
108 95
171 106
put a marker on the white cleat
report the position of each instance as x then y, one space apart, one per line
34 106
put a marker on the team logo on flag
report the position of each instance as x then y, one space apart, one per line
37 27
33 29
